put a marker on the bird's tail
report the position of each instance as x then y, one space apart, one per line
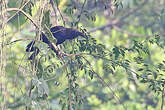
30 46
34 54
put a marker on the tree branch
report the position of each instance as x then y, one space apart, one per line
130 33
60 13
118 21
54 9
79 16
24 13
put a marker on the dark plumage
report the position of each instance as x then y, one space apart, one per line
60 33
30 47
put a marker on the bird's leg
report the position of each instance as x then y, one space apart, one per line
58 48
60 53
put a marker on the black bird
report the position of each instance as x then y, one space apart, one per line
60 33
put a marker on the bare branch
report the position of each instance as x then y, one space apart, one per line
118 21
25 39
54 9
24 13
60 13
79 16
18 11
130 33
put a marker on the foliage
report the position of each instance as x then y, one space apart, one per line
120 66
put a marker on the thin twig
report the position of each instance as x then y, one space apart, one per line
104 83
60 13
17 11
79 16
69 84
24 13
29 94
110 88
118 21
54 9
23 39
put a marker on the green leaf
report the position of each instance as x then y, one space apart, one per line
116 52
140 69
42 87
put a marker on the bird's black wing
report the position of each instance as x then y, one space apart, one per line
59 33
44 39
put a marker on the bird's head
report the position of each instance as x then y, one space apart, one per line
82 35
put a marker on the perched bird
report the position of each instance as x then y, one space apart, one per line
60 33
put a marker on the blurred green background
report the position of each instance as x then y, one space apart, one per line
126 49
